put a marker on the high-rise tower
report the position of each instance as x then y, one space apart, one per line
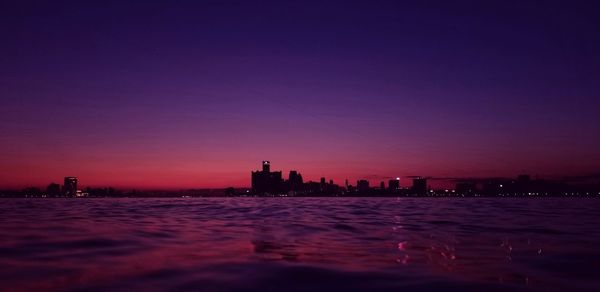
70 186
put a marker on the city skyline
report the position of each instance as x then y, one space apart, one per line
240 180
405 181
266 181
193 94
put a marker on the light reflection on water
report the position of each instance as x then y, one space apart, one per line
288 244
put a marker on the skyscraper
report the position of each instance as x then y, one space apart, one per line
394 184
362 185
265 181
295 181
70 186
419 185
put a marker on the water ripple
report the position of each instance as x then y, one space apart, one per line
299 244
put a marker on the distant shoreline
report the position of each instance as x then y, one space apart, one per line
591 195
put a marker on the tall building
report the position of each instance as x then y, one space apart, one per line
70 186
266 182
419 185
295 181
362 185
293 175
394 184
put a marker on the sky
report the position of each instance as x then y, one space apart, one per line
195 94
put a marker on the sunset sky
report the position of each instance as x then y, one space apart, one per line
196 93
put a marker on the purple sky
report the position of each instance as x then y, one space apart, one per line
196 94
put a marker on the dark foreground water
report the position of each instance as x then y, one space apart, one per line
299 244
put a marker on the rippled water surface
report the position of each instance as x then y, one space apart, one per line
299 244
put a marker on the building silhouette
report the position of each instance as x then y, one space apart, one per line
265 181
322 185
295 181
270 183
362 186
419 185
70 186
394 185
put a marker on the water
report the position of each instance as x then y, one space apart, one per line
299 244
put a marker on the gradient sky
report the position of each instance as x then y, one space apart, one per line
197 93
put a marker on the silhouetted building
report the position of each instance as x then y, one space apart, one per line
382 185
322 185
70 186
265 181
295 181
350 189
394 184
362 186
53 190
419 185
